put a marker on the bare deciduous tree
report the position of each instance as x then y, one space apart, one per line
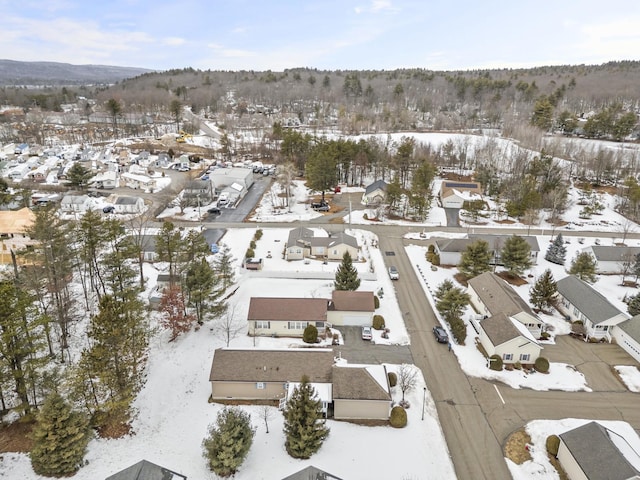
228 326
407 379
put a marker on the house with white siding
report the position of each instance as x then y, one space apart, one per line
579 301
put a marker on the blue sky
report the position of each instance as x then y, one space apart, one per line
323 34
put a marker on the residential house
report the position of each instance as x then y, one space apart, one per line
451 250
311 473
163 160
39 174
507 337
453 194
375 193
75 203
148 247
198 192
490 295
107 180
593 452
351 308
361 392
304 243
613 259
262 375
13 224
139 182
627 335
125 204
144 470
286 317
163 281
580 301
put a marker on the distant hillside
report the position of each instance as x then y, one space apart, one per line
52 73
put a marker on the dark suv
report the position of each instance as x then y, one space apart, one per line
440 334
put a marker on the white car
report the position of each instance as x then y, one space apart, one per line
366 333
393 273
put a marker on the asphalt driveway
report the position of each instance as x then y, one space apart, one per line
356 350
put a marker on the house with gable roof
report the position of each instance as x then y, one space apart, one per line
506 336
579 301
304 243
358 389
375 193
453 194
490 295
450 250
286 317
592 452
611 258
145 470
351 308
259 376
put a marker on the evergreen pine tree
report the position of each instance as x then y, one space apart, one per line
303 427
78 175
346 274
584 267
229 441
516 255
543 291
557 252
634 305
475 259
60 436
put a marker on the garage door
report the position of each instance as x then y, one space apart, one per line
629 344
356 320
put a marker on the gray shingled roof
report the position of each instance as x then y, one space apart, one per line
499 329
632 327
288 309
497 241
599 458
340 238
497 295
607 253
348 301
590 302
378 184
126 200
311 473
299 234
145 470
355 383
256 365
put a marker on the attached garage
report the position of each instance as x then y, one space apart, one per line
361 392
627 335
351 308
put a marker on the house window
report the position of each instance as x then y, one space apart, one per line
604 328
260 385
320 324
507 356
297 325
298 251
335 252
320 250
525 357
263 324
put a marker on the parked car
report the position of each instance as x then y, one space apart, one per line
440 334
108 209
322 208
214 210
366 333
393 273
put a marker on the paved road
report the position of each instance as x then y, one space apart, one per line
475 450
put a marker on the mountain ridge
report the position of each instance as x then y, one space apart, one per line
16 72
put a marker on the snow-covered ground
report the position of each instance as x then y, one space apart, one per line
173 412
539 467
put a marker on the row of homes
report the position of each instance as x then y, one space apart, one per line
508 327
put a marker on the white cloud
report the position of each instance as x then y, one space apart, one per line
174 41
